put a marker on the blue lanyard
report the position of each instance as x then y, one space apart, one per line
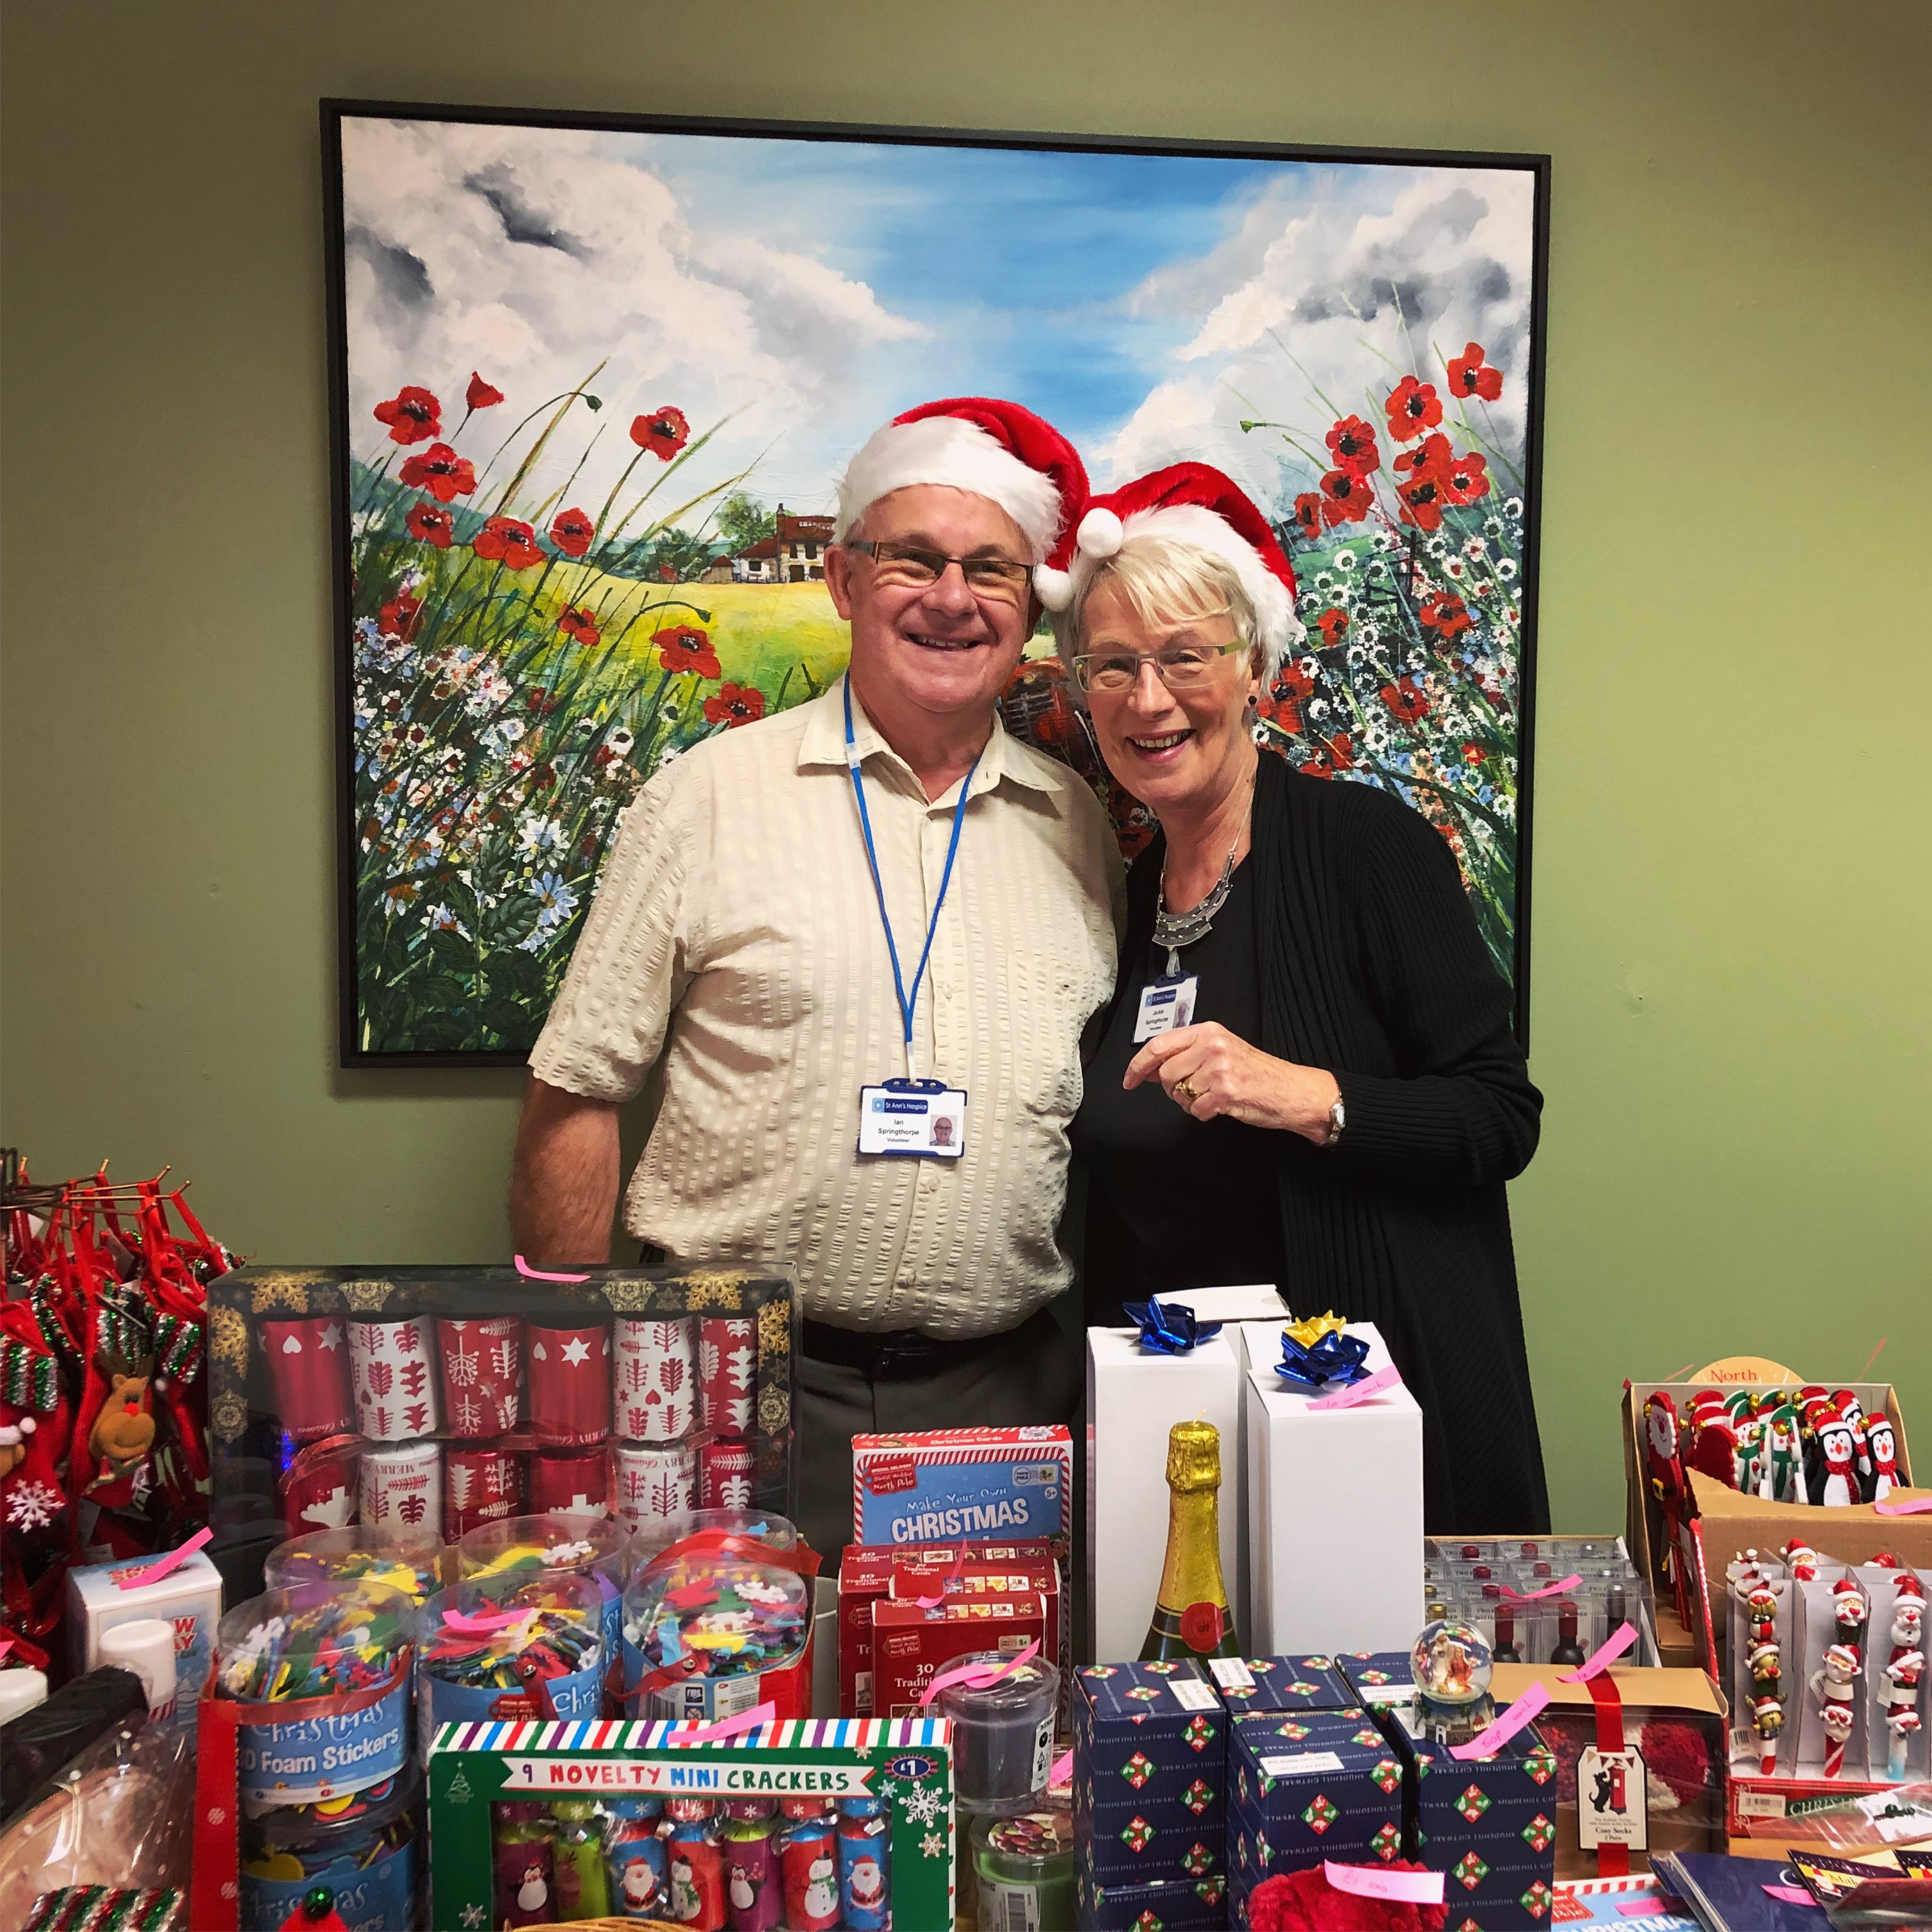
906 1004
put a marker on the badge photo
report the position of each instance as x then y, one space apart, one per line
926 1119
1166 1004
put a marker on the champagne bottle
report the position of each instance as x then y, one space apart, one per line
1190 1614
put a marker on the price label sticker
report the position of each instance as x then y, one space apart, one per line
1191 1694
1230 1673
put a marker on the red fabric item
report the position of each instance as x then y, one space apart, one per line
1206 488
1304 1901
1612 1860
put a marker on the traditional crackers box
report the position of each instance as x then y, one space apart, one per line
911 1644
475 1768
1253 1686
1150 1773
977 1483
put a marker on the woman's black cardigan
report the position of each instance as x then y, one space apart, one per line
1371 966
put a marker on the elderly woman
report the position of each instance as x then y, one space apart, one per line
1307 1076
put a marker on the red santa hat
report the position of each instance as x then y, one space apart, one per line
995 449
1909 1585
1195 503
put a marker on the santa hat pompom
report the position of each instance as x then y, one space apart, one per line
1054 588
1100 533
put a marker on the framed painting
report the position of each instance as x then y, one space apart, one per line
595 377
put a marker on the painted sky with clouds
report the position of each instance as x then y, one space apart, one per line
808 290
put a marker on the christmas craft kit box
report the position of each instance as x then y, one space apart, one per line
1149 1776
980 1484
445 1397
836 1823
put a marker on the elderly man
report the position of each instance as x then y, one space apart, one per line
865 936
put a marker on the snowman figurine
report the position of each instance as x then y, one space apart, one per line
821 1889
685 1904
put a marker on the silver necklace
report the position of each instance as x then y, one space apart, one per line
1174 930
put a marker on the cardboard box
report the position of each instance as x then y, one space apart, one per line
911 1645
1677 1718
979 1484
1149 1776
913 1583
473 1768
189 1597
1134 1397
1334 1495
865 1576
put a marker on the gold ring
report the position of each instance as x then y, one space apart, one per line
1186 1087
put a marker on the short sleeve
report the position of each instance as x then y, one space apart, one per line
607 1027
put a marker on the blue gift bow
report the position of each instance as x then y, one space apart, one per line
1172 1330
1337 1357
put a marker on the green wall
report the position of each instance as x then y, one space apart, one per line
1730 927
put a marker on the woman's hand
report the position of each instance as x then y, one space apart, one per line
1207 1070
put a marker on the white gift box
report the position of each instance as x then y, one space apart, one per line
188 1598
1334 1511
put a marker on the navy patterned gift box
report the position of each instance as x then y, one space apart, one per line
1150 1774
1334 1792
1251 1684
1379 1678
1174 1905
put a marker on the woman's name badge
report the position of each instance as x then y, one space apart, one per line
926 1119
1168 1002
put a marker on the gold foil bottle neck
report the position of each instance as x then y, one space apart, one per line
1194 1457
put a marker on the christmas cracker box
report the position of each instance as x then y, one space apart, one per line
1171 1905
912 1642
975 1483
1150 1773
865 1576
1255 1686
1303 1790
481 1776
188 1597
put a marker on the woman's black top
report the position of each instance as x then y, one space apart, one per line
1366 960
1175 1203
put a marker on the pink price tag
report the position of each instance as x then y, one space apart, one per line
140 1579
530 1274
979 1676
726 1727
1790 1894
1062 1772
1423 1888
1380 1383
1548 1590
1531 1704
1619 1640
1645 1908
1912 1506
483 1623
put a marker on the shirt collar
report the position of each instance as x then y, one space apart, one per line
823 743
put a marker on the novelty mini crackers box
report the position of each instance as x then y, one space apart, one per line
484 1779
975 1484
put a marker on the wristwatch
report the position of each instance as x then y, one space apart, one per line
1337 1120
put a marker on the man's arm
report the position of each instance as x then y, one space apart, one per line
563 1183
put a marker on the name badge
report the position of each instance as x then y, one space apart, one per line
1165 1004
923 1119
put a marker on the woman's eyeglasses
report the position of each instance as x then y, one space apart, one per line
908 566
1181 668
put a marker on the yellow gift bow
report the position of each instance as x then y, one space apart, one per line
1310 1330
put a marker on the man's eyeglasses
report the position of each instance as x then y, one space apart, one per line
911 567
1181 668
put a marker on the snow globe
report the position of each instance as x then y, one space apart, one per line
1453 1668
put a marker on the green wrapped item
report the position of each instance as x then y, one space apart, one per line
583 1885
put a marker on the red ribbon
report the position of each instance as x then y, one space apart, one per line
1612 1860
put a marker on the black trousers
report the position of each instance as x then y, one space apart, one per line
852 1383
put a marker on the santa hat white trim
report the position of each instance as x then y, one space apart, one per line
1277 629
946 450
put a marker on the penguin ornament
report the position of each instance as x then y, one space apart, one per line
1838 1446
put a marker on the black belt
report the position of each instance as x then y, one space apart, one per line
904 1353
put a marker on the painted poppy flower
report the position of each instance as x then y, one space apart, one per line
1331 624
440 471
413 415
1346 498
1470 375
1472 753
735 704
1279 709
1429 457
1412 408
1294 681
401 616
572 533
666 573
1337 755
664 433
508 541
579 624
1465 477
1352 443
1445 614
1406 699
682 647
480 394
428 524
1422 501
540 700
1308 514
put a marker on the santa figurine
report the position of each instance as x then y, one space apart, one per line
1884 1450
1899 1691
1852 1609
1800 1558
1834 1686
1666 1474
1839 1450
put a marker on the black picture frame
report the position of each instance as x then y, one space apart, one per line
353 1052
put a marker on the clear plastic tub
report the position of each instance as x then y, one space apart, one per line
1002 1729
401 1558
